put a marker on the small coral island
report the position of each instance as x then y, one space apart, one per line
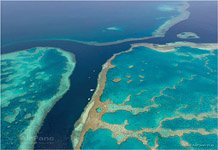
187 35
170 102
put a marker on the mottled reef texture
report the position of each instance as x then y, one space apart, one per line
32 81
179 107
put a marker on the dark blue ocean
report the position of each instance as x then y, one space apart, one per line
83 21
89 59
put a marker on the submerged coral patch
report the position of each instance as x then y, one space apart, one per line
32 81
175 102
187 35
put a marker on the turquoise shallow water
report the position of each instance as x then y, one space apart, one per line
101 139
31 84
199 141
171 94
170 143
181 124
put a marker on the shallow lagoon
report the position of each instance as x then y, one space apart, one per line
101 139
161 99
29 91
